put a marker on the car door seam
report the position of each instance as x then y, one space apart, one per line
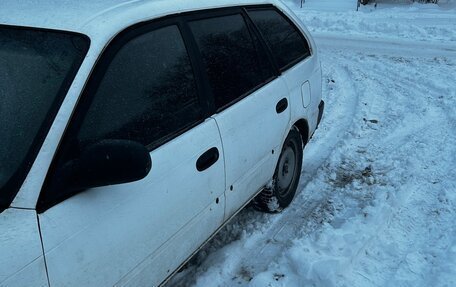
42 248
224 164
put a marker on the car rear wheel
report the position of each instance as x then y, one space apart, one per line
281 191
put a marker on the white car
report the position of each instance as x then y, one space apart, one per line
131 131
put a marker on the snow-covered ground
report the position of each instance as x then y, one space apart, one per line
377 200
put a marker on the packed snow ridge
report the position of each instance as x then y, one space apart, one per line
377 200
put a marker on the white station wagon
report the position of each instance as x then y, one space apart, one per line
131 131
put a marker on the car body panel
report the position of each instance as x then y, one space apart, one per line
21 254
295 77
190 238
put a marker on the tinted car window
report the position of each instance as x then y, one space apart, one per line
147 93
284 39
36 70
232 58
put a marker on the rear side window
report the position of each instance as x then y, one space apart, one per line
233 59
286 42
147 93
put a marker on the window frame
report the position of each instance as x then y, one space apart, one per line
290 21
103 64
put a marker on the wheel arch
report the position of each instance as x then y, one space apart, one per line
303 127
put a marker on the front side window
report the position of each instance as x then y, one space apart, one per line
285 40
232 57
142 90
36 70
147 93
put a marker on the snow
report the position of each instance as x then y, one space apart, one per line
377 200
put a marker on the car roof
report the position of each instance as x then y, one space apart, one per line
92 17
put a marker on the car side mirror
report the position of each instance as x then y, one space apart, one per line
108 162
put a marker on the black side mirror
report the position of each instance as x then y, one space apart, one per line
107 162
111 162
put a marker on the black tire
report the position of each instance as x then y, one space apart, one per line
281 192
364 2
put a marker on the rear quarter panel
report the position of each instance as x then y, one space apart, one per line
307 70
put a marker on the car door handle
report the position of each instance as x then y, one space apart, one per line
207 159
282 105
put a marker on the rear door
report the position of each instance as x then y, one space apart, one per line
143 89
251 103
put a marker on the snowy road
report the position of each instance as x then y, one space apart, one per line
377 201
396 47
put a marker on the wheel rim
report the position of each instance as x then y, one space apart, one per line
287 170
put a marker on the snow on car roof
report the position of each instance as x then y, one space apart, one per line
92 17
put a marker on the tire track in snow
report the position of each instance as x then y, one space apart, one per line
385 46
406 260
427 86
351 76
341 111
